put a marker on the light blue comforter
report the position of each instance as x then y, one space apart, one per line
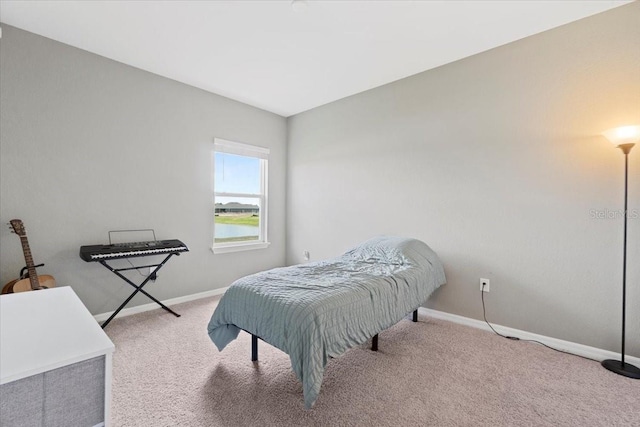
319 310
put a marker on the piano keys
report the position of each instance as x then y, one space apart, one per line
92 253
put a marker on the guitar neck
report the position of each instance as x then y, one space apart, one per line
28 259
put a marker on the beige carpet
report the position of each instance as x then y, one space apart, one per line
432 373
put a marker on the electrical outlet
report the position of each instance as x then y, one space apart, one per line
485 285
306 255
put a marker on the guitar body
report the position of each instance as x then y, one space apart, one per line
45 281
8 288
31 281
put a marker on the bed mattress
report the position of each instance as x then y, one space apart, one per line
319 310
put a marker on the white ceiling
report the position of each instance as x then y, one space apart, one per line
288 59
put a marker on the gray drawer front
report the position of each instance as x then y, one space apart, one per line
69 396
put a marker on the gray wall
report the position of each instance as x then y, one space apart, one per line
89 145
496 162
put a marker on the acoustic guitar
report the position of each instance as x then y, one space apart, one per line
31 281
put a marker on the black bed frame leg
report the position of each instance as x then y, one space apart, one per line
374 343
415 316
254 348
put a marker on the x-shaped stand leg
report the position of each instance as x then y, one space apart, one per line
117 271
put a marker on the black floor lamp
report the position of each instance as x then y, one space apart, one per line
624 138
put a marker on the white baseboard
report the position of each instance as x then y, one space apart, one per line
152 306
568 346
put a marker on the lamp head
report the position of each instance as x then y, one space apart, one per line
624 137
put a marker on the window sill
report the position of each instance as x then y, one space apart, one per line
238 247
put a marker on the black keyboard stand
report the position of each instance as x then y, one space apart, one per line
117 271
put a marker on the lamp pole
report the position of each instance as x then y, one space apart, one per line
619 366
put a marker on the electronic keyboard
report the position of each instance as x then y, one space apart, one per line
131 249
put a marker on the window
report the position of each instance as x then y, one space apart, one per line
239 196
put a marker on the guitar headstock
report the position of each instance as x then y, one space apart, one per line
18 227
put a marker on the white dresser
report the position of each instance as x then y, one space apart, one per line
55 361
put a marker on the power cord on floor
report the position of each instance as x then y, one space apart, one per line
518 339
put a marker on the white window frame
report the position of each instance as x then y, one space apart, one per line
238 148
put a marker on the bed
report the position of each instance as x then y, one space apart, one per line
316 311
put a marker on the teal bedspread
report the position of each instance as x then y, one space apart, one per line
318 310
